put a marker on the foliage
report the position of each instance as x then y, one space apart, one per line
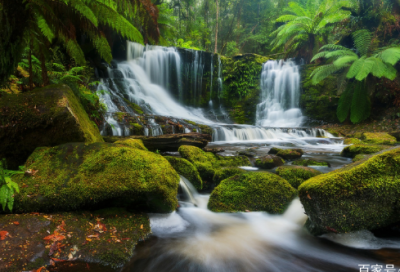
7 187
307 26
358 64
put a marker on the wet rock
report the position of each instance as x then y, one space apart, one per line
378 138
75 239
274 150
362 195
353 150
36 225
296 175
249 152
269 162
311 162
213 150
186 169
290 154
252 191
44 117
77 175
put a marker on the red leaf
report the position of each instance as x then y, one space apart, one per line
3 234
54 237
16 223
58 260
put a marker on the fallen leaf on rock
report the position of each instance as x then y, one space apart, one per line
100 227
3 234
58 260
16 223
93 236
54 237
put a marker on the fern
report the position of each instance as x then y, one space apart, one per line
344 105
7 187
360 104
390 55
362 40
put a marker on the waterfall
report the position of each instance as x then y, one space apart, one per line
280 95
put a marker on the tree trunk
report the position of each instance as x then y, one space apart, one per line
45 77
30 65
216 29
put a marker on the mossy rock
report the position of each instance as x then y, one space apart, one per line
225 173
359 157
311 162
350 141
269 162
207 163
44 117
252 191
274 150
378 138
113 248
134 143
353 150
362 195
186 169
296 175
78 175
290 154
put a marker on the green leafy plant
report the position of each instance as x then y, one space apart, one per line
357 65
7 187
306 26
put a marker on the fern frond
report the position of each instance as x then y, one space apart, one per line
297 9
344 104
355 68
85 11
323 72
45 28
390 55
286 18
344 61
362 40
333 47
390 72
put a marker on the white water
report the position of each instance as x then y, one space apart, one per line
144 80
196 239
280 94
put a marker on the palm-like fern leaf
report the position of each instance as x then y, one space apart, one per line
362 40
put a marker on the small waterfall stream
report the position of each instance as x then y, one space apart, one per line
280 94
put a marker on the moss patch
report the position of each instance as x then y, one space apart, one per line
44 117
350 141
225 173
77 175
353 150
296 175
252 191
378 138
362 195
290 154
134 143
186 169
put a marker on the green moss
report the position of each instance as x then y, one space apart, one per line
225 173
120 116
134 143
353 150
134 106
359 157
349 141
296 175
43 117
311 162
378 138
186 169
207 163
76 175
274 150
362 195
269 162
290 154
252 191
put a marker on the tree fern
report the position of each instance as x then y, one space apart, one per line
360 104
362 40
344 105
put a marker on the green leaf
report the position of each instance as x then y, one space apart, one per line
360 104
391 55
4 196
345 103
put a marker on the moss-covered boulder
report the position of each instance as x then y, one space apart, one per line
350 141
78 175
296 175
353 150
359 157
26 249
252 191
224 173
207 163
186 169
290 154
274 150
134 143
269 162
311 162
378 138
362 195
44 117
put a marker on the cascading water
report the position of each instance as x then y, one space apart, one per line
280 95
